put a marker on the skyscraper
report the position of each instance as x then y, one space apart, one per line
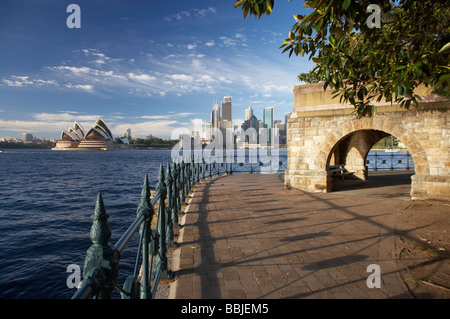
215 116
226 109
248 113
268 123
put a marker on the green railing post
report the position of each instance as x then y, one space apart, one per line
175 196
132 288
170 208
203 168
198 169
161 261
392 161
210 167
376 160
101 264
407 160
183 182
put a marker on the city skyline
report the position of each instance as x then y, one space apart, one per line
148 67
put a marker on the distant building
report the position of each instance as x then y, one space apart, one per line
252 122
27 138
208 132
128 133
268 123
248 113
227 109
215 116
99 137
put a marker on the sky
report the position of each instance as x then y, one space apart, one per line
151 66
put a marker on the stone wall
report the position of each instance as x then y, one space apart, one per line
321 133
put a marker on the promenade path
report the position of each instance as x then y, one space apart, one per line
245 236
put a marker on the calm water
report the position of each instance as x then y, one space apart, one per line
46 202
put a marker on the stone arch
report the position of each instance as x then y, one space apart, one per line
380 124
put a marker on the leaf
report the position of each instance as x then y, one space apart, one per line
445 48
346 4
400 67
269 5
332 40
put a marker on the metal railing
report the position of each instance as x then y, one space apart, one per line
381 160
101 266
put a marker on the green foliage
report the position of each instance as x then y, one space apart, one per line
363 64
19 145
155 142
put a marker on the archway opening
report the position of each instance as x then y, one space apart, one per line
374 162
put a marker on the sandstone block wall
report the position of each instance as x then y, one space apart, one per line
327 134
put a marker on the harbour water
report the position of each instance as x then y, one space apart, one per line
46 202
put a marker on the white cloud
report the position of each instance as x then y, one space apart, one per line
202 13
144 78
64 116
22 81
205 12
84 87
178 16
181 77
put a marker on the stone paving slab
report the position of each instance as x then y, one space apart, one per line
245 236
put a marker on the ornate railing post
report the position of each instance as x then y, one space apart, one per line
175 198
179 189
183 182
170 210
198 169
132 288
145 209
210 167
161 261
407 160
203 168
101 264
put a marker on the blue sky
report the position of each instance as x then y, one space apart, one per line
151 66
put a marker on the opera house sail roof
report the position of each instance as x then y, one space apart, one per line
97 137
99 130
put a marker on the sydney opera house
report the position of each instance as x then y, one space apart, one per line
99 137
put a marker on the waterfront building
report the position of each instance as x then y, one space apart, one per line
215 116
227 109
248 113
99 137
27 138
268 123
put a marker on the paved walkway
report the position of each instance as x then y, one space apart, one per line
245 236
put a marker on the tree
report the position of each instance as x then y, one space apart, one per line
363 62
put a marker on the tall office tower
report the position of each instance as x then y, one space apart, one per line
226 109
268 122
215 116
128 133
286 117
208 132
248 113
